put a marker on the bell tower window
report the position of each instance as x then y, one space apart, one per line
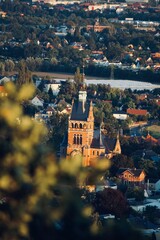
81 139
74 139
78 139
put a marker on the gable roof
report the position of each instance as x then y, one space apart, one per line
134 172
151 139
109 143
133 111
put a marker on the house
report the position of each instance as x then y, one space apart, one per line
137 112
131 176
153 185
97 27
37 101
4 80
146 154
49 111
120 115
54 86
67 111
142 97
151 139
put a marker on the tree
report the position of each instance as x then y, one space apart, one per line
120 161
67 91
78 78
59 124
24 75
50 93
2 68
111 201
9 66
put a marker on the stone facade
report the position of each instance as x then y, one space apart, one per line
81 139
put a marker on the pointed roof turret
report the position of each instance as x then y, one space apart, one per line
100 137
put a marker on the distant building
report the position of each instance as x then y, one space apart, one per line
135 1
131 176
97 27
138 112
120 115
37 101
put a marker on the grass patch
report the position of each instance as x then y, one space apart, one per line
154 130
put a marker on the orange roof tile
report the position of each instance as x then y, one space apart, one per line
133 111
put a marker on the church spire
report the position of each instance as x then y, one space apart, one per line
82 90
100 137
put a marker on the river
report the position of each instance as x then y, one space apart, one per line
117 83
122 84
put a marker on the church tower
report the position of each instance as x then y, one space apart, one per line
81 127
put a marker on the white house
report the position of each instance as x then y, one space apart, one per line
120 115
4 80
37 101
54 87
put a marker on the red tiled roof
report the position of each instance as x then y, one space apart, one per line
149 138
133 111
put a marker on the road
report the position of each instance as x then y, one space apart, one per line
63 75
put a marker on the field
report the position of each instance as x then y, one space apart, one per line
154 130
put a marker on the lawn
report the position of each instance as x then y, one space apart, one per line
154 130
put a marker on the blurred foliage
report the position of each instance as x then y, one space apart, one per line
40 198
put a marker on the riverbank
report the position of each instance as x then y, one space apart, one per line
115 83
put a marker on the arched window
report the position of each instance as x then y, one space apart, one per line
76 125
81 139
72 125
78 139
80 125
97 153
74 139
93 152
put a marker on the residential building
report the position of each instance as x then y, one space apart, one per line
97 27
37 101
137 112
131 176
120 115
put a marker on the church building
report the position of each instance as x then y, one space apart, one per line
82 139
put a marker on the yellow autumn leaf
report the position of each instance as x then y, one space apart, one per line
25 123
103 164
23 229
11 113
10 88
26 92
